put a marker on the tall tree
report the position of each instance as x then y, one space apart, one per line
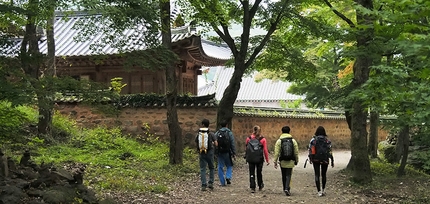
176 143
118 15
364 34
221 15
401 84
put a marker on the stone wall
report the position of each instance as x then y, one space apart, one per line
133 121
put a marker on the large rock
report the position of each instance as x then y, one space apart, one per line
45 183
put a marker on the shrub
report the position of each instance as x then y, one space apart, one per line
13 121
388 151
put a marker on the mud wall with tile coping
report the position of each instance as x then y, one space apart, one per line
132 120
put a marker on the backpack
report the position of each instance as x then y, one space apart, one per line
320 148
254 150
223 139
287 150
203 144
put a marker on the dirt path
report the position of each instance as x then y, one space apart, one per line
303 186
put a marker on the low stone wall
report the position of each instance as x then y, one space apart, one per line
133 121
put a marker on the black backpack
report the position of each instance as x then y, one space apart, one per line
254 150
287 150
321 146
223 138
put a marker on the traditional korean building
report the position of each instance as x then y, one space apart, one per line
77 57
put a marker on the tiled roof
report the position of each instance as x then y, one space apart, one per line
250 91
288 113
66 35
216 50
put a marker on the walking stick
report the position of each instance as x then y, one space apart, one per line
306 162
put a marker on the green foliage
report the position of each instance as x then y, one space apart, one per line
63 128
383 169
117 85
113 160
12 121
388 152
143 100
424 157
291 104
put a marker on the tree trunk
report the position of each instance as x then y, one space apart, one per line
226 104
373 135
45 98
359 159
31 61
402 150
176 143
360 162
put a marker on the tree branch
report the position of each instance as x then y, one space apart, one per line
254 9
343 17
4 8
226 37
266 38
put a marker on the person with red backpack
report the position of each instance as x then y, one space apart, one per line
256 151
319 155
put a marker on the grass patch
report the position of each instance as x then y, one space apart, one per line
410 188
118 162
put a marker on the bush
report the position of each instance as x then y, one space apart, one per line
388 151
13 121
63 128
114 159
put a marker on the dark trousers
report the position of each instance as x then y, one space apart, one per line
320 169
286 177
252 167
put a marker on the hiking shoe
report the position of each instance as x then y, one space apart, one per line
287 193
320 193
203 188
260 188
228 181
323 192
252 190
211 186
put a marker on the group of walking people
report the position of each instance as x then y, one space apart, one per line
222 145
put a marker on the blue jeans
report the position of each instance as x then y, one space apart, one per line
224 160
207 160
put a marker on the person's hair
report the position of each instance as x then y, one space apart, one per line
320 131
285 129
205 122
223 123
257 130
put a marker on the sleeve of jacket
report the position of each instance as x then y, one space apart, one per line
296 150
214 137
246 142
310 147
232 143
266 151
277 150
330 151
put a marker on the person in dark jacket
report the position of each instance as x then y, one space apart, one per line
206 157
320 165
225 155
256 135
